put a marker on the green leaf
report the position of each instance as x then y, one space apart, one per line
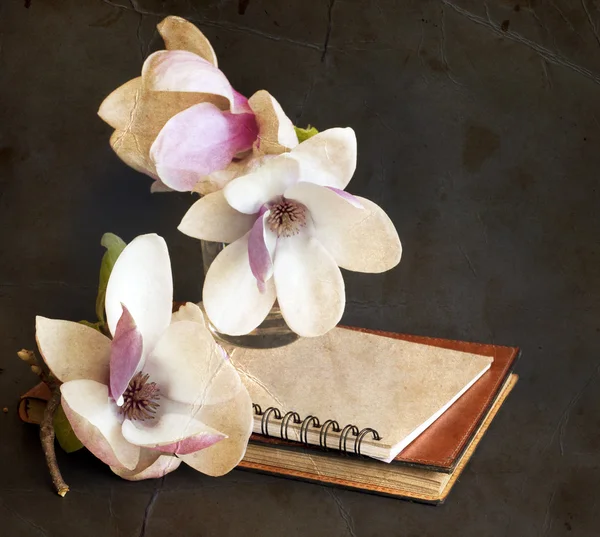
114 246
305 134
95 326
64 433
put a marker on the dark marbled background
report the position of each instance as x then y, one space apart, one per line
478 129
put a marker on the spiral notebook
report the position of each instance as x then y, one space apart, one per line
440 447
354 391
368 475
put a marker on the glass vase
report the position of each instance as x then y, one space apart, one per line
272 332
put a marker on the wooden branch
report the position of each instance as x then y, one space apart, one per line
47 439
47 425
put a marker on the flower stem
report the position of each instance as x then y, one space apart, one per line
47 424
47 439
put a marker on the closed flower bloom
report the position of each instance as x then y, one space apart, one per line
181 120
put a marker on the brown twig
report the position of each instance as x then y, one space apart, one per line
47 439
47 425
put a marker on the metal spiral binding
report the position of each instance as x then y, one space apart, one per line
264 422
285 423
329 424
344 436
308 421
314 422
361 437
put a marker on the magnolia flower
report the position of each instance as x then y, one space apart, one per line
161 391
181 121
291 224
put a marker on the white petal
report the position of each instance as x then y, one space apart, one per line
118 107
73 351
211 218
217 180
189 312
363 240
172 424
183 71
276 131
328 158
97 423
188 366
231 297
310 288
141 279
233 418
179 34
249 192
152 464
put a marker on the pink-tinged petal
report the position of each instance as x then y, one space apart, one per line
188 367
134 150
231 297
158 187
117 108
182 71
97 423
328 158
310 288
234 419
240 104
125 354
276 132
151 465
73 351
179 34
211 218
141 280
248 193
174 430
189 312
261 246
352 200
199 141
363 240
191 444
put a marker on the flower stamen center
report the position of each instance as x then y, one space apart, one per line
286 218
140 398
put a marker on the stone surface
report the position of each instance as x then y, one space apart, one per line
478 128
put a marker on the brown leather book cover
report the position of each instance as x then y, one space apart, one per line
442 444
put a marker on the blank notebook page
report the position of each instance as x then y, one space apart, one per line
396 387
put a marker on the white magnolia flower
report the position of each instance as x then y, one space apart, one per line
291 224
161 391
183 124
